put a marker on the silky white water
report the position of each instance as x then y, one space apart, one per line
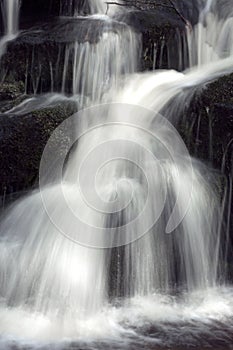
10 11
11 18
97 7
103 64
121 245
212 38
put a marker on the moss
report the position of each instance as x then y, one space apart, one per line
219 91
11 90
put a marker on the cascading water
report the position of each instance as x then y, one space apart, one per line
125 242
98 6
10 11
88 7
212 37
99 64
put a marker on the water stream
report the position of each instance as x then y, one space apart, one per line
10 10
121 246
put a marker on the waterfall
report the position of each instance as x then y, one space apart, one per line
212 37
103 64
10 11
122 240
81 7
98 6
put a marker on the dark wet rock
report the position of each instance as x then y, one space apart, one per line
6 105
205 122
160 31
187 9
163 29
31 11
23 139
10 91
67 30
209 119
11 95
39 8
35 65
207 129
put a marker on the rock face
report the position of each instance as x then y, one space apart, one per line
31 10
23 139
208 132
11 92
35 61
163 28
208 127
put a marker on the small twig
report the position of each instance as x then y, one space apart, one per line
180 15
134 4
120 4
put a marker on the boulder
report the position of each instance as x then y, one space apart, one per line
208 124
40 52
207 129
23 138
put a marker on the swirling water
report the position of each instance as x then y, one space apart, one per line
121 247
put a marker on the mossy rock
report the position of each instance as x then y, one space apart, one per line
208 124
23 139
11 91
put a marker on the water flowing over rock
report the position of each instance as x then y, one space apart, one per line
10 18
127 236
